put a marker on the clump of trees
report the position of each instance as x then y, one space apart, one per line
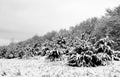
88 55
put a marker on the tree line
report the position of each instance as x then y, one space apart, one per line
76 43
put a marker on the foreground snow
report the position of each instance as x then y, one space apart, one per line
41 68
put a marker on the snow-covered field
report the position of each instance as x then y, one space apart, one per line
38 67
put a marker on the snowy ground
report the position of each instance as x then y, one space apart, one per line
41 68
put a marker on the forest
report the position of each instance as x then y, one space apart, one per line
93 42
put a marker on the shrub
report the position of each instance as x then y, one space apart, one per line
53 55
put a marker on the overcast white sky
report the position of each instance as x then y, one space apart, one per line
21 19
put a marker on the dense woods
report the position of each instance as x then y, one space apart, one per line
93 42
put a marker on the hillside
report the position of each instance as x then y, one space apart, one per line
91 48
88 49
